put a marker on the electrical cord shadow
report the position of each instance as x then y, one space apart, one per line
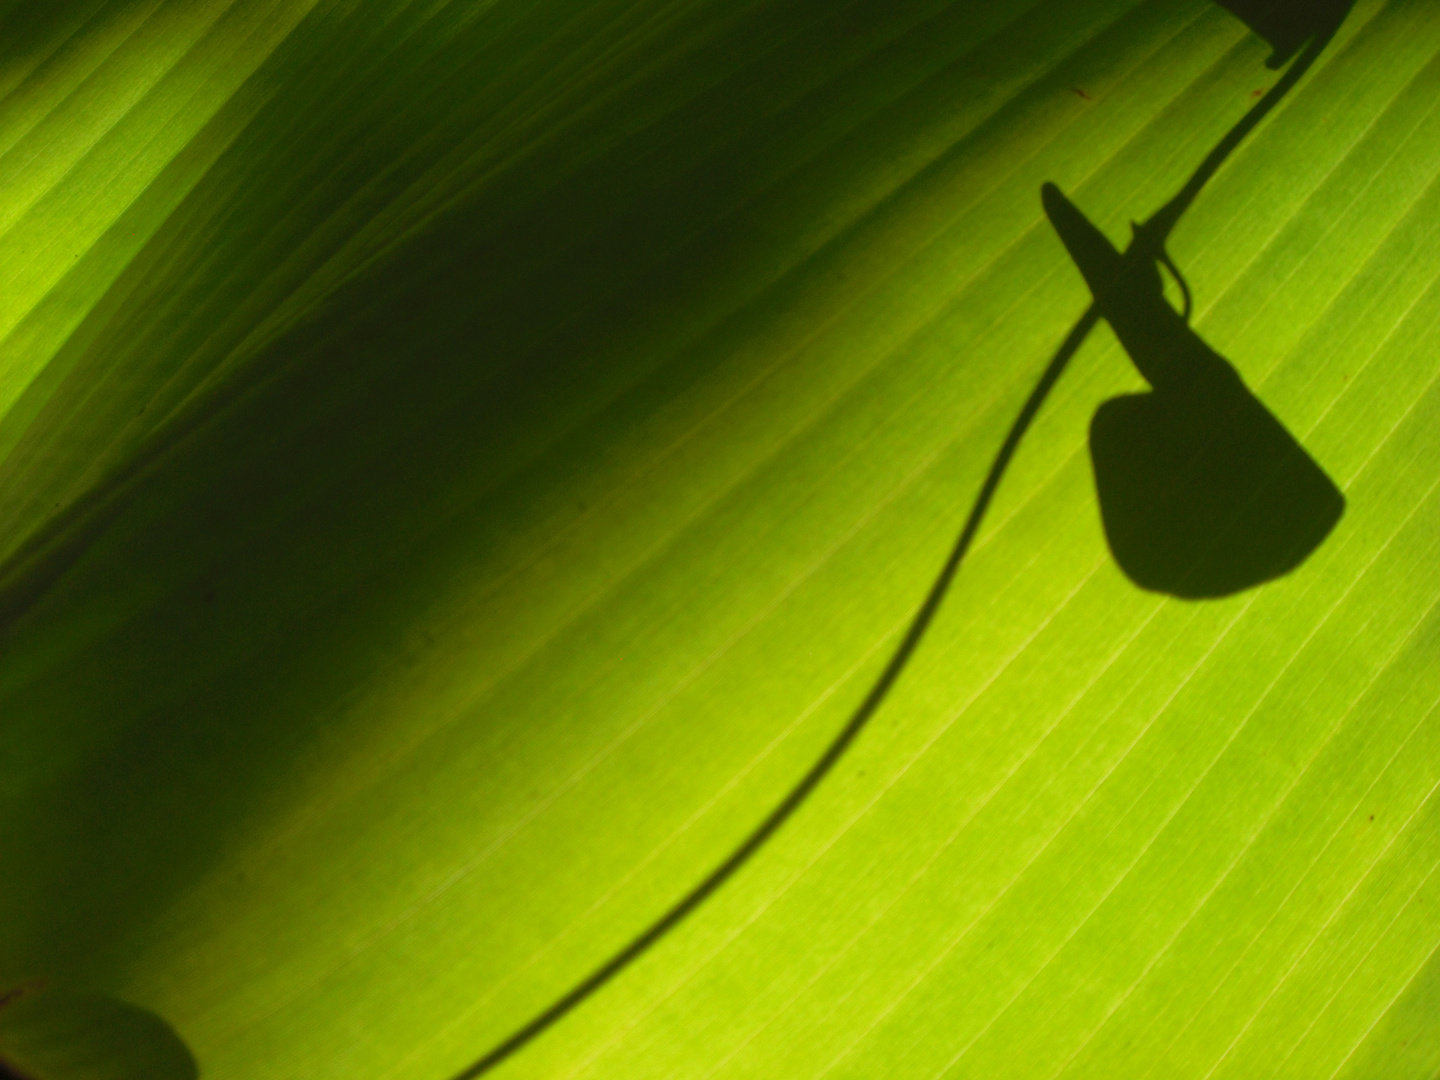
827 761
1148 243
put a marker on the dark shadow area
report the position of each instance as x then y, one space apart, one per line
288 534
58 1035
445 391
34 35
1287 24
28 28
1202 491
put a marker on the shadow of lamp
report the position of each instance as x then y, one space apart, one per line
1202 491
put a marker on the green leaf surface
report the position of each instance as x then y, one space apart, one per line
462 463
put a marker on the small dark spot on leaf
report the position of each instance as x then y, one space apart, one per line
1257 93
1372 817
14 993
209 596
1081 93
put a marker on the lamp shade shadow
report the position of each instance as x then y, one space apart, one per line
1288 24
58 1035
1203 493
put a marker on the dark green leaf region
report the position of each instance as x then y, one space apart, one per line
57 1035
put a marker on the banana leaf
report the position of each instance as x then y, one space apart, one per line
579 538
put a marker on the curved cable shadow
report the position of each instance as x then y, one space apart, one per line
1148 245
833 753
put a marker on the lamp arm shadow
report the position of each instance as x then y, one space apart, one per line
1148 244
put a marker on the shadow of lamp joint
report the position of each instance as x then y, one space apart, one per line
1286 25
